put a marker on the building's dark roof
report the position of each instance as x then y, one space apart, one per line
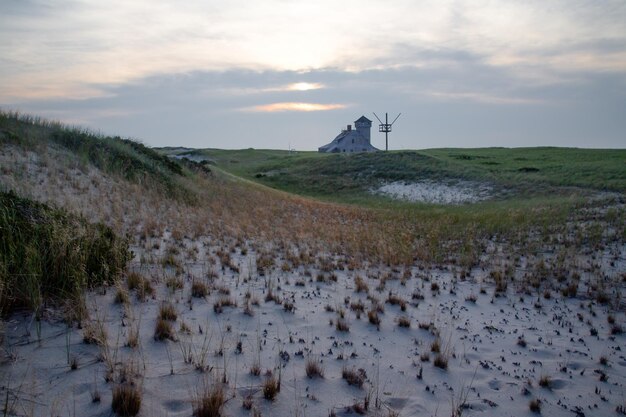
362 119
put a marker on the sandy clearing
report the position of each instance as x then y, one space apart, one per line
436 192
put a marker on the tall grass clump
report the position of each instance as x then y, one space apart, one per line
209 400
46 253
126 400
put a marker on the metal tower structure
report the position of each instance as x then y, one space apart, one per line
386 128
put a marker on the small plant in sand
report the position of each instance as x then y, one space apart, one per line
126 401
199 289
342 325
372 316
255 369
358 307
174 283
435 346
209 400
471 298
271 387
353 376
139 283
95 333
441 361
163 330
288 306
535 406
224 301
247 309
313 367
247 403
360 285
167 311
121 296
394 299
571 290
545 381
132 340
404 321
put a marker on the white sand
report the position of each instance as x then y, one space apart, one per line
435 192
485 360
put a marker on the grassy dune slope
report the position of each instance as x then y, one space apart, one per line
347 178
128 159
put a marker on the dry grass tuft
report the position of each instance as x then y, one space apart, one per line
224 301
342 325
360 285
95 333
373 317
142 285
435 346
121 296
255 369
535 406
545 381
314 368
441 361
174 283
394 299
199 289
210 401
168 312
126 400
163 330
404 321
271 387
353 376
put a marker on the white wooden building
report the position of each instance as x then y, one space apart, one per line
352 140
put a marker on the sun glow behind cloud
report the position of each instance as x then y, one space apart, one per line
293 106
304 86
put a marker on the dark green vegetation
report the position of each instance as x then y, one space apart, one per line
124 157
528 172
45 252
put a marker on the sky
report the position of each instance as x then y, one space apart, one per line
291 74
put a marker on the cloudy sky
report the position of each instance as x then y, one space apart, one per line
280 73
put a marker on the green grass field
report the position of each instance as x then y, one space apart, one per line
515 172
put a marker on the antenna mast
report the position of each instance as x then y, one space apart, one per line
386 127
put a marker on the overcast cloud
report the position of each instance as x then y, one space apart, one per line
278 73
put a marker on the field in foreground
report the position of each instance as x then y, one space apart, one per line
291 306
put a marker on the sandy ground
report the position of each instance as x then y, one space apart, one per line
571 341
489 372
435 192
